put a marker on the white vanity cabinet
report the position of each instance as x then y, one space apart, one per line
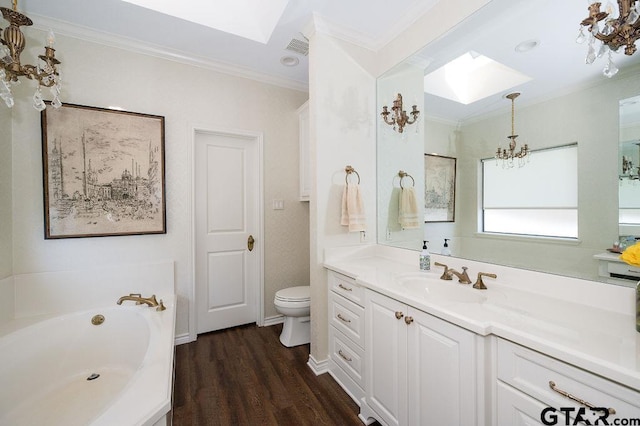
420 370
530 382
346 334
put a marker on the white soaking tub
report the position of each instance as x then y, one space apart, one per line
67 371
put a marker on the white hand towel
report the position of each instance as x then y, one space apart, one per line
408 209
353 209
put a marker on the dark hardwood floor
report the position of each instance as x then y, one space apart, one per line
245 376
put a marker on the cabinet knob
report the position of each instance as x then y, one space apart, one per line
399 314
408 320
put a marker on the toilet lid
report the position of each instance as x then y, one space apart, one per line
294 294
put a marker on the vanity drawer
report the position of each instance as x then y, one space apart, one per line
617 269
347 355
534 374
347 317
347 287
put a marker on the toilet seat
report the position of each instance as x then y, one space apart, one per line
294 303
294 294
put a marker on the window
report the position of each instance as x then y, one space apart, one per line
539 199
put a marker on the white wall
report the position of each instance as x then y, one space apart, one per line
6 223
342 127
187 96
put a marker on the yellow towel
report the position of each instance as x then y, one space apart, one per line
352 209
408 209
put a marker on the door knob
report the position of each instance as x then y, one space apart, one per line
250 242
408 320
399 314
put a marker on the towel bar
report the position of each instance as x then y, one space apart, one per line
348 170
403 175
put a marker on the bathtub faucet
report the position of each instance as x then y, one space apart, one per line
137 297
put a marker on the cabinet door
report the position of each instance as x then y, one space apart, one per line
386 352
441 372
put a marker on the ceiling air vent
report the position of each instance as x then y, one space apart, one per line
298 46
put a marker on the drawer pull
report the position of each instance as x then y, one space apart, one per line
399 314
344 288
346 358
343 319
408 320
566 394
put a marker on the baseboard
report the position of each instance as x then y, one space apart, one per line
182 339
278 319
318 367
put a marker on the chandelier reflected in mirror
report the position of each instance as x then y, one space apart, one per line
510 156
609 30
399 118
44 73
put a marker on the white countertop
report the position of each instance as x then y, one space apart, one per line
584 323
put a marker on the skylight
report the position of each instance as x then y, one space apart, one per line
472 77
252 19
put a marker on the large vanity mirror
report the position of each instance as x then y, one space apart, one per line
629 169
562 102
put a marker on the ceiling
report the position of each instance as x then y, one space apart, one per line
556 65
371 23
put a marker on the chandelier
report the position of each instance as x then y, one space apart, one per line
399 117
12 44
619 28
509 156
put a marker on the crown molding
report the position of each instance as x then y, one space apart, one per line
415 12
408 18
67 29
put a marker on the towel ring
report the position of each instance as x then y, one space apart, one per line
348 170
403 175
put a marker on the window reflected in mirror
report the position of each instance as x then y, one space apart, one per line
538 200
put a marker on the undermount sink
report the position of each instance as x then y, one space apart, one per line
431 288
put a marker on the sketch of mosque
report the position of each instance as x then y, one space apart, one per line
131 185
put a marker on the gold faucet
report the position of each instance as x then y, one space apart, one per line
463 277
479 283
149 301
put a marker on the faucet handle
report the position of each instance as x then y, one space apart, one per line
161 306
479 283
464 279
446 275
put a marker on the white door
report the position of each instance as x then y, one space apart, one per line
227 217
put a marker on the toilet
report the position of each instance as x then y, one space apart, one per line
295 304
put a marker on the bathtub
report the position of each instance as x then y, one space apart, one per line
64 370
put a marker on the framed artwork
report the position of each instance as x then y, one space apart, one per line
103 172
439 188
